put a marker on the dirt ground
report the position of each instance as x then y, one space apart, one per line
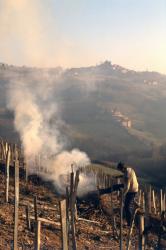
95 234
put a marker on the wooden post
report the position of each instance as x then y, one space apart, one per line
72 211
25 165
71 184
161 201
67 207
16 202
15 152
35 208
7 175
131 229
143 201
139 197
153 201
1 150
160 231
106 181
141 235
118 182
37 235
73 193
121 220
146 216
6 148
12 153
76 184
64 227
115 233
146 208
27 218
149 198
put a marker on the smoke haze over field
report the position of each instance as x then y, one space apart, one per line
37 115
78 33
33 108
37 119
59 106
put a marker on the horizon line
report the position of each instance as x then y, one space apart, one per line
77 67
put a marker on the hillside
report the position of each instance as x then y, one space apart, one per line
95 228
89 235
86 98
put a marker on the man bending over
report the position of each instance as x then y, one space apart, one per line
130 189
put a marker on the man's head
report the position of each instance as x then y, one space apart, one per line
121 167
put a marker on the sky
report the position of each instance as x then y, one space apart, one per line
75 33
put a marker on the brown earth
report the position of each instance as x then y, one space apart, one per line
89 235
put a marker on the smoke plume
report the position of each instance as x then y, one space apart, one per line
31 96
37 119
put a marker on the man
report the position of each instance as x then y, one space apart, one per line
130 189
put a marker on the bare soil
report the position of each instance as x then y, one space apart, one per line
96 235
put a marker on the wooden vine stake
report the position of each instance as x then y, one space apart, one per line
73 193
37 225
16 201
141 231
143 201
139 197
64 226
149 195
161 201
153 201
72 210
37 235
35 209
121 220
1 150
6 148
28 218
26 170
7 174
164 202
131 228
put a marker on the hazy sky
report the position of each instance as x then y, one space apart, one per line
70 33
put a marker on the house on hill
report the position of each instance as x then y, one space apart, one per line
124 120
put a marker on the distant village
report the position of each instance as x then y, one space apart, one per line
124 120
151 83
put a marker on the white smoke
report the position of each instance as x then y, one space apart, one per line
37 119
64 163
32 96
33 112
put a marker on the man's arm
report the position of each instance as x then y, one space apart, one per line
126 185
115 187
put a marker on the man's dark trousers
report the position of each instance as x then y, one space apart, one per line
128 206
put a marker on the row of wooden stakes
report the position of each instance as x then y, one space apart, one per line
149 201
10 154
